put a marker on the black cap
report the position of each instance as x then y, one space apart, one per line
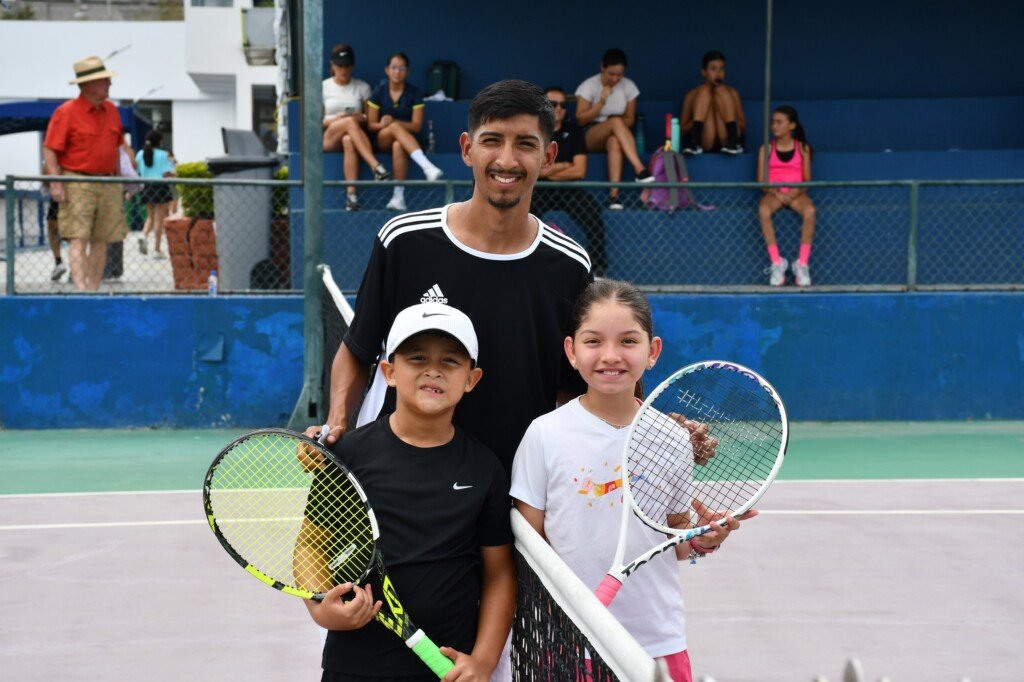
343 55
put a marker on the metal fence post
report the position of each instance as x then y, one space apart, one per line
915 196
9 236
309 407
449 192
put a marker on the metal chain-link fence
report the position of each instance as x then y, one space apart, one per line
697 236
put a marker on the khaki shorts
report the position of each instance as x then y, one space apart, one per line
92 211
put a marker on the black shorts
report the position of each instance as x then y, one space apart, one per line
155 194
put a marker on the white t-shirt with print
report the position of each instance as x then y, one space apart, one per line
569 466
624 92
344 99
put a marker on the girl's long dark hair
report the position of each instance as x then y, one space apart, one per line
154 138
620 292
798 132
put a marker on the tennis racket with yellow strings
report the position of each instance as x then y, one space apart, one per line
290 513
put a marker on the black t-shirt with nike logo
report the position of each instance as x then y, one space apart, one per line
435 508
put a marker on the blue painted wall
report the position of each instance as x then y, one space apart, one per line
822 50
77 362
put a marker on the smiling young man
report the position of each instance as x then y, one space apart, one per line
512 275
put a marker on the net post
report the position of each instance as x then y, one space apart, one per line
307 409
9 203
449 192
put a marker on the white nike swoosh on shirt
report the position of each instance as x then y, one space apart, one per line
456 486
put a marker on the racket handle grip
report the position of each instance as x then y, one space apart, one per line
428 652
607 590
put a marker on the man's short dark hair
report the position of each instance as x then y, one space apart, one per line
555 88
711 56
505 99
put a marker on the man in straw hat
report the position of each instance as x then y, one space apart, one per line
83 139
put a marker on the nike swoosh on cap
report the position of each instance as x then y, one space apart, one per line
456 486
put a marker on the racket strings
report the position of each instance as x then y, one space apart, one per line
305 529
668 479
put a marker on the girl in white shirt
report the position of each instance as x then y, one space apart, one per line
344 123
606 108
566 474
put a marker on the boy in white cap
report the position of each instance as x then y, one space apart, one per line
441 500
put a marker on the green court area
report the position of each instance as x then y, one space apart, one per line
62 461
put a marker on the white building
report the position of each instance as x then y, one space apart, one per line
196 68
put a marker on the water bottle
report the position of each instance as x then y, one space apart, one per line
675 134
430 136
641 137
211 284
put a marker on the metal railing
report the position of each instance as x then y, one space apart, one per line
884 235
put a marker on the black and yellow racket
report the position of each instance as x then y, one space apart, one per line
291 514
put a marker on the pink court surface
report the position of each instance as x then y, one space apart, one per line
899 544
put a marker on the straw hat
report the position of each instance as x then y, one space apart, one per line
90 69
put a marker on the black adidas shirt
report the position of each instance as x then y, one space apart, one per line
521 306
435 508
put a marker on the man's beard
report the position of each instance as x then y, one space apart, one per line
510 202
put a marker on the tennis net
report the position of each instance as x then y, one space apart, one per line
559 622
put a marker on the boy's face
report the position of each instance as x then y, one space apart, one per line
506 156
430 373
714 72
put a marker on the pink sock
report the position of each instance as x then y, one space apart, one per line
805 254
773 253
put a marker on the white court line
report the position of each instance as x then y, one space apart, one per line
780 512
783 481
889 512
13 496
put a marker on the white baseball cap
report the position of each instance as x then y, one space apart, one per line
426 317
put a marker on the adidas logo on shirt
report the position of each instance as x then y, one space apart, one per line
434 295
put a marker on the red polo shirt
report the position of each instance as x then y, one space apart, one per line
86 138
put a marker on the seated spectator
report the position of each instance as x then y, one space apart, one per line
790 161
154 162
344 103
606 108
712 118
571 164
394 112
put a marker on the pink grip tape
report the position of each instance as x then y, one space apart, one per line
607 590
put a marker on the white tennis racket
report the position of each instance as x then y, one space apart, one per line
674 481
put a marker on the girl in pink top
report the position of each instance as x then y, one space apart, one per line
789 161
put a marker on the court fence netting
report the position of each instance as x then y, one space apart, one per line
561 631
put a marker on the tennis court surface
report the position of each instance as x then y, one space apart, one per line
900 544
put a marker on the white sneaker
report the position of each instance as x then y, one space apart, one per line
802 273
58 271
396 204
434 173
777 273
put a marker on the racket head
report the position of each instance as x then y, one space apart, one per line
663 476
299 524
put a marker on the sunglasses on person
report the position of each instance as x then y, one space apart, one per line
556 104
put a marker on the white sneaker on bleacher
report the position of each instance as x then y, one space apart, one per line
777 273
396 204
434 173
802 273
